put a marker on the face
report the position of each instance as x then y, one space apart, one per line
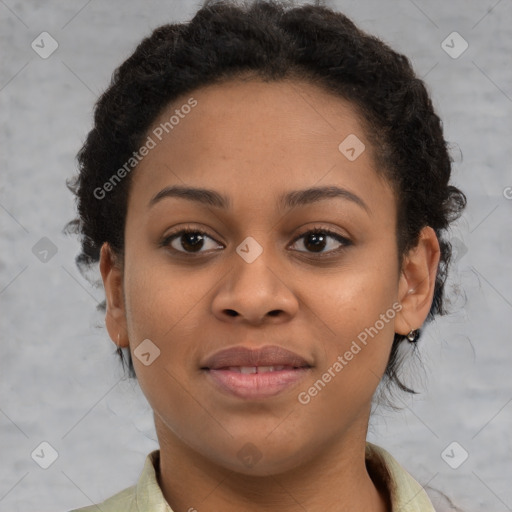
267 263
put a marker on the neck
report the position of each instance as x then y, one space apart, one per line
332 481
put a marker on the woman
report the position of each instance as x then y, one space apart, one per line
266 189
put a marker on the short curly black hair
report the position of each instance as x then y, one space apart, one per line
273 41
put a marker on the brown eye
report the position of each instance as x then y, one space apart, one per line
189 241
318 240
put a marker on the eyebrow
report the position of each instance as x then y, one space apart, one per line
288 200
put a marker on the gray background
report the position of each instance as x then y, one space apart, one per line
59 379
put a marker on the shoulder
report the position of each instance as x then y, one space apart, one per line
144 496
121 501
405 493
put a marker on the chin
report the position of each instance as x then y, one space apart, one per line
252 460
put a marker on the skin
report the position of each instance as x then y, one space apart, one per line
253 141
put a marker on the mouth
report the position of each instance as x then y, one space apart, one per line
255 374
258 369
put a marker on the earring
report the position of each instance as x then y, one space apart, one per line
412 336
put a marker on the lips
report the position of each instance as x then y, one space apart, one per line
255 374
259 369
268 358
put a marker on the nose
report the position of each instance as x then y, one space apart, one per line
254 293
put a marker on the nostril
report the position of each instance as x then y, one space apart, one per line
231 312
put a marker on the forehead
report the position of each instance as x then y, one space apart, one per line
279 115
257 138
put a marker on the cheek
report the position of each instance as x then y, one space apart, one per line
355 298
355 314
160 305
157 302
356 347
158 298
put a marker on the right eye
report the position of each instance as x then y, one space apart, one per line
188 241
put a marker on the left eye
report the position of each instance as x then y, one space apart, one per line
316 241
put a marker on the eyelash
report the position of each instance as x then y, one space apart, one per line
166 241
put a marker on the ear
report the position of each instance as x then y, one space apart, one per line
417 282
115 317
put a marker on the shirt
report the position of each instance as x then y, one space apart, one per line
405 493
